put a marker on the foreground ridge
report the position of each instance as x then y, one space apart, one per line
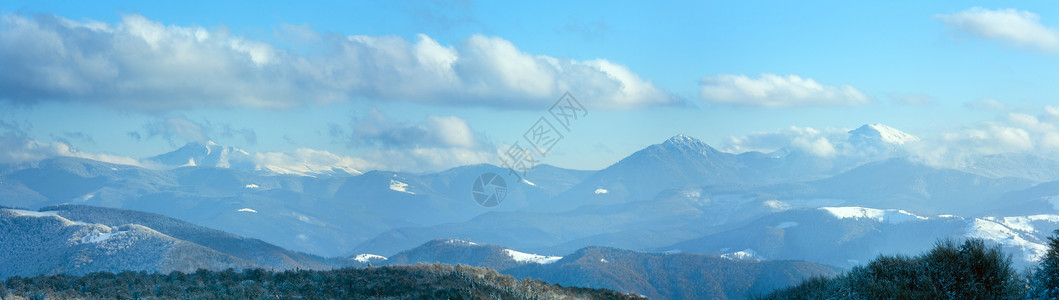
422 281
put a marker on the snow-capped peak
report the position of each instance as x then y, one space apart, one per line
684 141
882 133
687 144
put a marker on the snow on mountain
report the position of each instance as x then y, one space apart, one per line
365 258
990 230
1024 223
99 237
686 142
48 243
460 251
460 242
680 161
873 142
887 215
303 161
37 214
531 258
399 186
746 254
210 154
882 133
306 162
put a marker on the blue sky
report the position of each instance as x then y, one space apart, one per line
422 86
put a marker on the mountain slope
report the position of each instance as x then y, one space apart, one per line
849 236
455 251
33 243
678 162
671 216
902 183
252 250
656 275
671 276
326 215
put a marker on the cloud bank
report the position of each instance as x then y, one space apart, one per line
143 65
433 144
770 90
1016 27
16 146
1012 133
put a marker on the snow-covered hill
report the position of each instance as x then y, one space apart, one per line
37 243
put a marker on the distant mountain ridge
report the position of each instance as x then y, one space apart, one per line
678 190
655 275
671 276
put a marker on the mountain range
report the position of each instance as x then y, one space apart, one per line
869 196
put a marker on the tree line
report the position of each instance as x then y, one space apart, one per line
421 281
951 270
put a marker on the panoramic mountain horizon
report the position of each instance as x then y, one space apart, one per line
528 150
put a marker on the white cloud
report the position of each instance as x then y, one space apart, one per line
377 129
1018 27
456 146
874 141
17 147
991 138
1053 111
1012 133
140 64
305 161
817 146
176 129
435 143
770 90
451 131
823 143
986 104
179 130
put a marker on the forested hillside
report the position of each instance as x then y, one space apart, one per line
401 282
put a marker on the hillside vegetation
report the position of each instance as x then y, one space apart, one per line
420 281
969 270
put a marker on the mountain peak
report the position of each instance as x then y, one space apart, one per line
882 133
681 140
209 154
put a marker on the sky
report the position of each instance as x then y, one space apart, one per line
421 86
